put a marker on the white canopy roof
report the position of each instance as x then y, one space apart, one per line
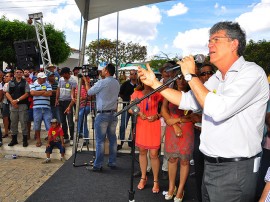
99 8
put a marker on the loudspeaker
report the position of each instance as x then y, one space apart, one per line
19 48
26 47
24 62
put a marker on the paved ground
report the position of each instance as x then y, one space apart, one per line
22 176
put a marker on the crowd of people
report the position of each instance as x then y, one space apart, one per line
214 113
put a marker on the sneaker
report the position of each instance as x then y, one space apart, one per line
47 160
191 162
63 159
71 142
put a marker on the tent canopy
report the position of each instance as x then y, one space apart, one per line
99 8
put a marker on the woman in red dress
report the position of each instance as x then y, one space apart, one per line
179 138
148 133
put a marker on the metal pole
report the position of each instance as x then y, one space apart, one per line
116 72
81 61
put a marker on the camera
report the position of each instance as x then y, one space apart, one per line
90 71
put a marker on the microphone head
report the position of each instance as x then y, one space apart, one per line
200 58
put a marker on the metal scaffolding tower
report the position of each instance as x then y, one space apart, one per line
41 37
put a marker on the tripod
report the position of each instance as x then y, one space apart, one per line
84 118
133 104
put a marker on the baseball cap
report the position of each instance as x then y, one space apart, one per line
54 121
50 73
41 75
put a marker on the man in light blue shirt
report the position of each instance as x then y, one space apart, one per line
106 91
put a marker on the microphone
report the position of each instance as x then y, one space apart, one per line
200 58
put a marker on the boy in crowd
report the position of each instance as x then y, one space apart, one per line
55 138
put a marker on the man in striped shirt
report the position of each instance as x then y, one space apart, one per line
41 92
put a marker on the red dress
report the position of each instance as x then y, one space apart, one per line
148 133
179 147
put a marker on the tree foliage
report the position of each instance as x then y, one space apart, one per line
259 53
12 31
105 50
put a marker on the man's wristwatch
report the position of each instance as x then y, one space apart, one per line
189 76
18 100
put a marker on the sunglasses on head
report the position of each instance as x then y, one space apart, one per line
207 73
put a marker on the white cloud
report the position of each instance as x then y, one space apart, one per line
216 5
256 22
193 41
177 9
138 25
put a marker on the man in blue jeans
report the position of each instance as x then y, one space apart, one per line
126 90
106 91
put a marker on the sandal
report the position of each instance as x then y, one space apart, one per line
155 188
142 183
38 144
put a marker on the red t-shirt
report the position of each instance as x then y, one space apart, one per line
54 134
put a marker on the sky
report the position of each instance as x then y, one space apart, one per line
168 29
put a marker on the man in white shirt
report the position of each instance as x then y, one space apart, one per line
234 105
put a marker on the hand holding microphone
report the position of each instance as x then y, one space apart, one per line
188 60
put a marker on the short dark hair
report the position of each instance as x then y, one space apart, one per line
111 68
233 31
65 70
213 67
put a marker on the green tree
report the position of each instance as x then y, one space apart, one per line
12 31
105 50
259 53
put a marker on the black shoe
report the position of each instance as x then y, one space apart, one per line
1 144
25 144
94 169
119 147
12 143
164 175
113 167
137 174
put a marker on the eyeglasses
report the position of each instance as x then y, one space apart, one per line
207 73
216 39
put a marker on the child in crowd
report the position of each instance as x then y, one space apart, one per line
55 138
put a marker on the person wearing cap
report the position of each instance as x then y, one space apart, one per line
51 80
17 93
41 92
53 69
64 96
55 139
106 91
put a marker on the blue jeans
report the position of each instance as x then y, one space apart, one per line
40 114
84 111
105 123
124 122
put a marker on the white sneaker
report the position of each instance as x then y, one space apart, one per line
47 160
191 162
63 159
71 142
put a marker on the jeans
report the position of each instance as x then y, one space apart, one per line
64 117
55 113
105 123
84 111
124 122
40 114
